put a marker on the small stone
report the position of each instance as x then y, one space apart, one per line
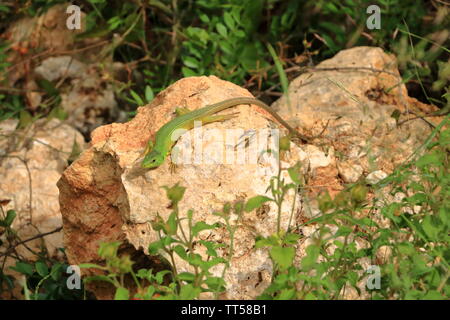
376 176
350 173
55 68
383 254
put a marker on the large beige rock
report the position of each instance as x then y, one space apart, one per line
48 32
106 196
31 162
352 108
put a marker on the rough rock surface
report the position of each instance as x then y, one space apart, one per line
351 109
37 156
106 196
47 32
87 98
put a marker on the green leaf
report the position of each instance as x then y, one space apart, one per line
154 247
294 173
266 242
10 216
291 238
59 113
204 18
167 241
25 119
150 292
256 202
188 72
189 292
41 268
285 145
222 30
413 295
145 274
433 295
405 248
136 98
159 277
56 271
215 283
430 228
175 193
211 247
429 159
48 87
286 294
201 225
108 250
310 296
181 251
279 66
228 18
186 276
91 265
122 294
149 95
4 8
24 268
172 225
283 256
343 231
191 62
312 253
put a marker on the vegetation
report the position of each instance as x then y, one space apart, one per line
410 247
262 45
167 40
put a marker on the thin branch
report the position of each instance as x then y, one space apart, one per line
30 239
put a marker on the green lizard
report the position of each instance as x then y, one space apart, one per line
156 153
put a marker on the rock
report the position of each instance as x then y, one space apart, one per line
350 173
355 106
55 68
106 190
45 148
89 100
106 196
48 32
383 254
376 176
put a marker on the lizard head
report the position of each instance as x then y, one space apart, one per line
153 159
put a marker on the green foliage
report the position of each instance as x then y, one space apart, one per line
249 42
348 236
417 265
173 241
43 281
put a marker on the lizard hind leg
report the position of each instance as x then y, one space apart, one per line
181 111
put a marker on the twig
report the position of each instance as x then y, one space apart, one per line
29 182
30 239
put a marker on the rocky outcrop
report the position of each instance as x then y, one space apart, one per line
31 162
349 101
106 196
